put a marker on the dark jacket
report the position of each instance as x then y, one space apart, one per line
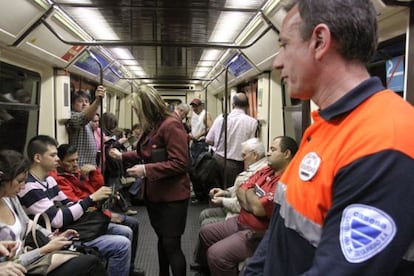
167 170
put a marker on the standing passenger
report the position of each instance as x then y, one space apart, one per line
344 206
163 151
182 110
200 124
240 127
80 132
96 130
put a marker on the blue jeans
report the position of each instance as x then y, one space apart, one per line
115 247
119 229
133 224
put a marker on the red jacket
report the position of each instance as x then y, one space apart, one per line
267 181
76 186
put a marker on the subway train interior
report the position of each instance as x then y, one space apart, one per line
206 49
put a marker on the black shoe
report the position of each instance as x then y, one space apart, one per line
199 201
197 267
137 272
194 201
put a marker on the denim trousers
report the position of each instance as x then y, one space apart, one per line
115 248
132 223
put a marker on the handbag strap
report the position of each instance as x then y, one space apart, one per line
36 222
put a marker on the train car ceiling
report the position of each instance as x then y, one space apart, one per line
175 44
171 45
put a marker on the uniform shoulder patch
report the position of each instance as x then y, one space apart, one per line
365 231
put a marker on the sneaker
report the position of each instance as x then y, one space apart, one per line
131 212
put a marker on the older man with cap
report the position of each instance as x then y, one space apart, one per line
200 124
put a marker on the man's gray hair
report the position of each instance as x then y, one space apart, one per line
184 107
254 144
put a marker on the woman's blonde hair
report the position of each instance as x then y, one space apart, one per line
149 107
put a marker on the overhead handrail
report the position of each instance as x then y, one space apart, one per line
117 43
157 8
33 26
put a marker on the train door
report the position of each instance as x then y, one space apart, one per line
172 101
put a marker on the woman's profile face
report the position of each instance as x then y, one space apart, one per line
13 187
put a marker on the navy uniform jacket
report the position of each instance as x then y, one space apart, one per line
345 204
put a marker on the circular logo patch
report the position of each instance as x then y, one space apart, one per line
309 166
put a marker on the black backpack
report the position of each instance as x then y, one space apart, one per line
204 175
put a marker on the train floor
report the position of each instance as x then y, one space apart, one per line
147 244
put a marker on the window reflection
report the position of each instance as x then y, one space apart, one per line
19 90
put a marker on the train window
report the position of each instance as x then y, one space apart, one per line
78 82
296 115
238 65
112 73
88 63
19 106
388 64
395 74
172 103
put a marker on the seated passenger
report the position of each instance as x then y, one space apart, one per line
253 153
223 245
41 192
78 184
14 225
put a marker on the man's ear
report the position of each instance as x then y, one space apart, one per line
287 154
37 158
321 40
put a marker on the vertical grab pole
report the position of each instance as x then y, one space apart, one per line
226 94
101 157
205 101
131 84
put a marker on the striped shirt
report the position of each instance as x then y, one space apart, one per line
40 197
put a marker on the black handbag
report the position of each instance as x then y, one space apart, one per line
90 225
158 155
36 238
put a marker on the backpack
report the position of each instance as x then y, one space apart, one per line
204 175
